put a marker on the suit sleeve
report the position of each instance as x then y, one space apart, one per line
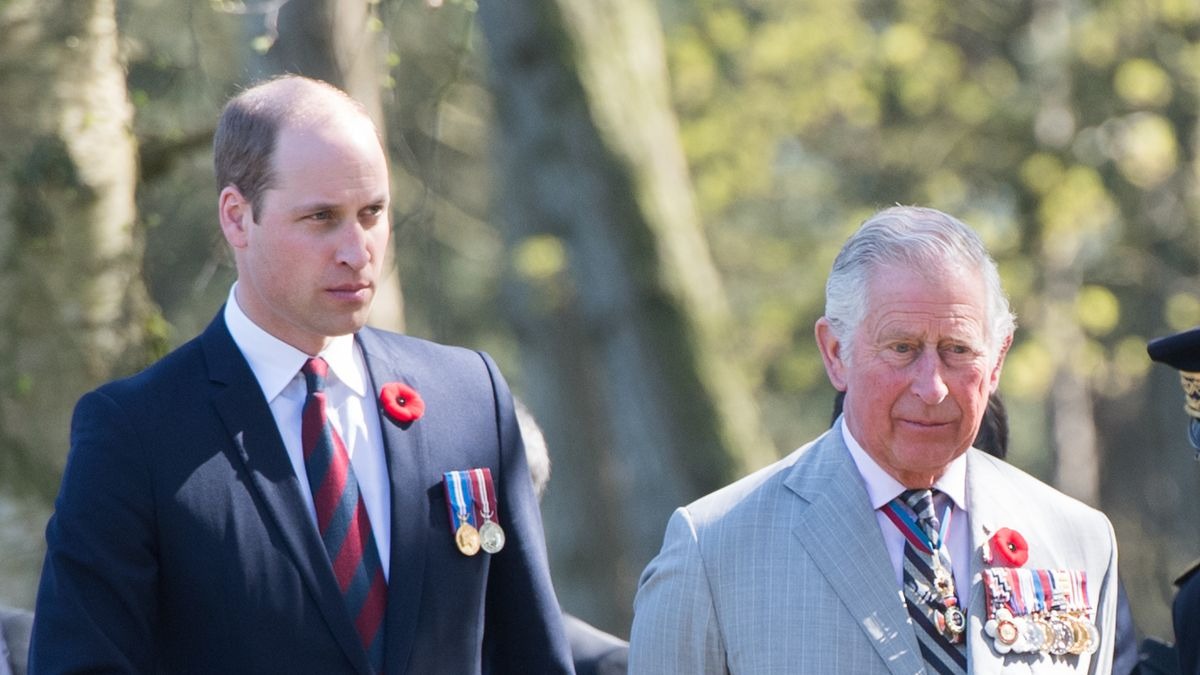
1106 610
523 630
96 602
1185 614
675 626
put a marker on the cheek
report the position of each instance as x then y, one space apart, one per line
379 240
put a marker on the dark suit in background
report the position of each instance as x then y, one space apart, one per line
1182 352
594 651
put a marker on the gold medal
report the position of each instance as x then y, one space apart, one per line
467 538
1062 637
491 536
1080 644
1007 632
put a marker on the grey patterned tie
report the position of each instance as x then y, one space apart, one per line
923 572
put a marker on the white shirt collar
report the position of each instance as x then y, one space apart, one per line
275 363
883 488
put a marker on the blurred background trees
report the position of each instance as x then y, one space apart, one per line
633 206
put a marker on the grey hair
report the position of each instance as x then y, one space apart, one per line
913 238
537 455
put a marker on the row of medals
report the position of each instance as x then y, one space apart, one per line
489 536
1054 632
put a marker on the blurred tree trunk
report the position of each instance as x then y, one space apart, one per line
337 41
621 316
73 306
1077 457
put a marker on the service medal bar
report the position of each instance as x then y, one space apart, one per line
490 533
1039 611
461 506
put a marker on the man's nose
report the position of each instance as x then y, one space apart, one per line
928 381
354 247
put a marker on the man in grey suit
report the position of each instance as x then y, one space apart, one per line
888 544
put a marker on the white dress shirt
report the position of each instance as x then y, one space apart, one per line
350 407
883 488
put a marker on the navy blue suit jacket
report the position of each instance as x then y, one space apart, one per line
181 542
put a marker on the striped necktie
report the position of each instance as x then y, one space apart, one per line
342 516
922 566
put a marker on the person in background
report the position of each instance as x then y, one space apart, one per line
888 544
291 491
594 651
1182 352
15 626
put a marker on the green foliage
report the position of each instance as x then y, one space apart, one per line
47 172
1062 137
800 117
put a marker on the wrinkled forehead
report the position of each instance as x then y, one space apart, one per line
947 296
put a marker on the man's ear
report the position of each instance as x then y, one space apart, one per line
994 376
831 354
236 215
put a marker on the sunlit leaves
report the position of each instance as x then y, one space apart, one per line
1029 370
1146 151
903 45
1142 83
1183 311
540 257
1097 39
1076 211
1097 310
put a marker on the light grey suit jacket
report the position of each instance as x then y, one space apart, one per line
15 626
785 571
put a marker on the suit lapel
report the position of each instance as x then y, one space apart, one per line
992 505
239 402
983 512
839 531
405 451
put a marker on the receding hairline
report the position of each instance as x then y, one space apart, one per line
301 101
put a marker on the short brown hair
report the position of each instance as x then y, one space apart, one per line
244 143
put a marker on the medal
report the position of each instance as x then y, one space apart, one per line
492 537
490 532
956 621
467 538
1039 610
462 511
1062 637
1007 633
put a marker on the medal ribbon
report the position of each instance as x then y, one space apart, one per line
458 499
1036 590
485 494
912 531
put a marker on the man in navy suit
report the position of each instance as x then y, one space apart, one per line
186 535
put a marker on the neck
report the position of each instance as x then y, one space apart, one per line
915 480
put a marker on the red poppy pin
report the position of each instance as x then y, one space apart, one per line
1009 548
401 403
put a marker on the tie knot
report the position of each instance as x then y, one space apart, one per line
315 370
921 503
